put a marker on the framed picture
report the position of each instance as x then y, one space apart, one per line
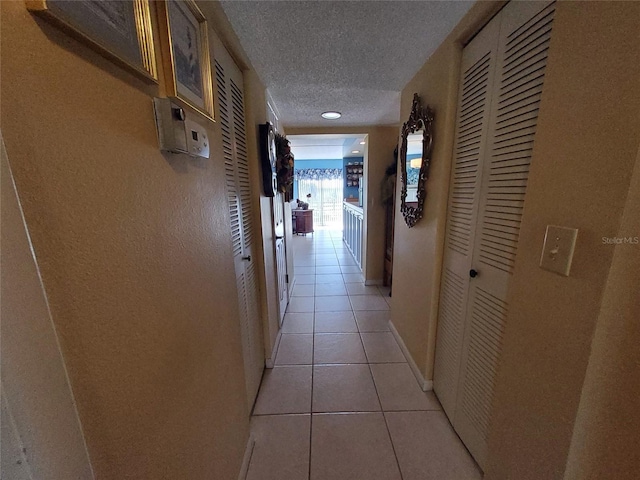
118 29
186 54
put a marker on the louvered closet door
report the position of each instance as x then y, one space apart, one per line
523 42
478 69
230 102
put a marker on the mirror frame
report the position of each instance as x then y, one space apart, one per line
421 118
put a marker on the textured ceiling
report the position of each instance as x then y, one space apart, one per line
354 57
327 147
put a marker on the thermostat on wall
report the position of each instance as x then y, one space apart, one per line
176 132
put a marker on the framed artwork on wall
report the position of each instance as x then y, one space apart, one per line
119 30
284 166
185 44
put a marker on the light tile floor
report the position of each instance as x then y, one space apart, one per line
341 402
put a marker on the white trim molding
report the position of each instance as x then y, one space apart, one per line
271 361
425 385
244 469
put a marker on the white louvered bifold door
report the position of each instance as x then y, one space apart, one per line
230 103
505 157
474 102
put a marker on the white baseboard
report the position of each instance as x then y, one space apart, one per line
374 282
271 361
425 385
244 469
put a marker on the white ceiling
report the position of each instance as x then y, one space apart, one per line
326 147
350 56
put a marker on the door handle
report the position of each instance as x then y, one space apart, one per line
473 273
247 258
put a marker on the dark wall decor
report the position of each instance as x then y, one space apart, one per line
268 159
284 166
419 128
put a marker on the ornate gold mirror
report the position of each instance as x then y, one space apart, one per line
415 157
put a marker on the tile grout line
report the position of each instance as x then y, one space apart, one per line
342 412
393 447
312 254
313 349
316 299
313 343
386 424
384 416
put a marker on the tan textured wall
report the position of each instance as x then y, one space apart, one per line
417 258
607 430
585 149
381 142
134 248
34 379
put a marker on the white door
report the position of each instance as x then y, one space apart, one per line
281 255
478 70
501 87
230 105
282 238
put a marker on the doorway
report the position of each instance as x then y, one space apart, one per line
330 178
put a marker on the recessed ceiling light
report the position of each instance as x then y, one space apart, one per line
331 115
362 143
355 151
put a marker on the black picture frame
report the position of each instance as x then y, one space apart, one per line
267 138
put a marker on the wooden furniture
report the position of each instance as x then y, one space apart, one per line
302 221
352 217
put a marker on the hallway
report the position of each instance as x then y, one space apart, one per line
341 402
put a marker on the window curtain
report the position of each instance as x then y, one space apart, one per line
319 174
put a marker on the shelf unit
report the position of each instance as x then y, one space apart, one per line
352 174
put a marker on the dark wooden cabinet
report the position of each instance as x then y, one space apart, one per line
389 224
303 221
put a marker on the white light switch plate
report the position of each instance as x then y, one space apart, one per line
557 251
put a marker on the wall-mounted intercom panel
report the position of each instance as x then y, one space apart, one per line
177 133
